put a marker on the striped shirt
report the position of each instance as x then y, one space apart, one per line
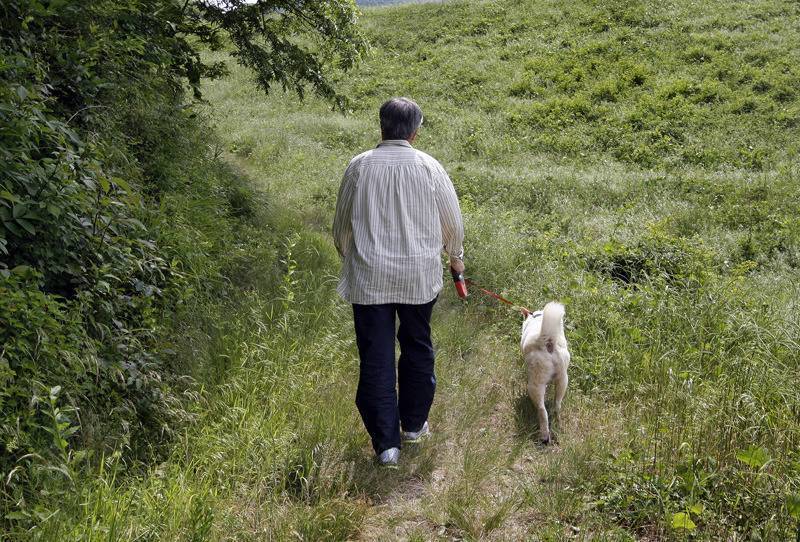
395 213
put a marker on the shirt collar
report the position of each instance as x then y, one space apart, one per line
395 142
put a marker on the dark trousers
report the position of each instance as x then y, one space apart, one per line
384 400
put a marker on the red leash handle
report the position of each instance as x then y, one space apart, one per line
525 312
460 283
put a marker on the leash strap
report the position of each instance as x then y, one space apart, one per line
525 312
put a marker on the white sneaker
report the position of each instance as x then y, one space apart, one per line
416 436
389 458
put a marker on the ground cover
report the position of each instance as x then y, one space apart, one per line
637 161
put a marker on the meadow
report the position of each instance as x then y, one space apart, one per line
637 161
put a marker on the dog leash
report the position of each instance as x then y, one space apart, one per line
525 312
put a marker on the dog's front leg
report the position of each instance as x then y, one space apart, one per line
536 393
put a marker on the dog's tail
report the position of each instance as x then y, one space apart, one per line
553 321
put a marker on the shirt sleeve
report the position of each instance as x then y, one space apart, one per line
449 215
342 225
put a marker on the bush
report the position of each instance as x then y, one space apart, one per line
114 215
82 278
657 256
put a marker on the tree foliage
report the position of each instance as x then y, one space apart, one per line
264 33
95 133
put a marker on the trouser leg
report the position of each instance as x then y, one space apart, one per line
417 382
376 397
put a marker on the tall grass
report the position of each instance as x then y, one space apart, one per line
637 161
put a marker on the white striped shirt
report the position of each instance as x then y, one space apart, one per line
396 211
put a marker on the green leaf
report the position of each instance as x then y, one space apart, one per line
136 223
754 456
22 92
697 509
19 210
6 195
793 505
122 183
27 225
73 137
104 184
681 520
13 228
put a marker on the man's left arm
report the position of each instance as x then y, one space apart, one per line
450 218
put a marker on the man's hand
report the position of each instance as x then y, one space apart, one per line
457 265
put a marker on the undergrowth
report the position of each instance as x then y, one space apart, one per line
635 160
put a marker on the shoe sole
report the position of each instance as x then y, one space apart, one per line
416 440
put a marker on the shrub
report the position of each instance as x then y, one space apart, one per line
101 157
657 256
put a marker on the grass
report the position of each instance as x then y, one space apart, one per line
635 160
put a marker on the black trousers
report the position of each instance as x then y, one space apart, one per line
387 400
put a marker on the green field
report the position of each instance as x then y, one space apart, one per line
638 161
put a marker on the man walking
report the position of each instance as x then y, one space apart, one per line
396 212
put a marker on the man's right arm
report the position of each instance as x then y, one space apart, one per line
342 226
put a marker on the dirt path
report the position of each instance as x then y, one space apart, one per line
482 475
464 480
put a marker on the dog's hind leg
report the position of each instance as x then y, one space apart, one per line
536 393
561 389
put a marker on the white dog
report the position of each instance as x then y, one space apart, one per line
544 348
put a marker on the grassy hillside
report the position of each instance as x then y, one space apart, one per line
637 161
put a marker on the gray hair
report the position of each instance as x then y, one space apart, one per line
400 118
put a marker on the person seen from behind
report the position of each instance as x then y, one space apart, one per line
396 212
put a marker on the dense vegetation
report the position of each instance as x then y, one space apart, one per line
119 222
636 160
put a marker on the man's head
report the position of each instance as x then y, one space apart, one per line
400 119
